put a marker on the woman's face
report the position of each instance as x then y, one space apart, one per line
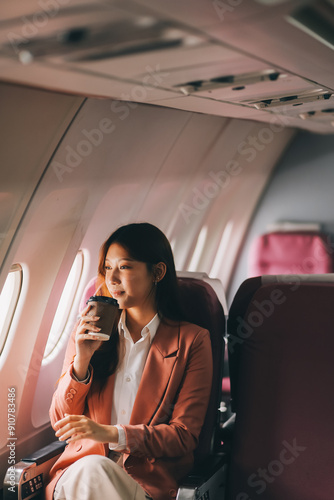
128 280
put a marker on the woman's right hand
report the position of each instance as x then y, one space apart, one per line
86 343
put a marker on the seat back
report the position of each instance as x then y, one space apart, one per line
91 288
290 252
202 307
281 344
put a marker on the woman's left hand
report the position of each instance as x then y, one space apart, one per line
75 427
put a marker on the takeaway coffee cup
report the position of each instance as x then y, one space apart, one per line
107 309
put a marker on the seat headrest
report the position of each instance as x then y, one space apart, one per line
301 252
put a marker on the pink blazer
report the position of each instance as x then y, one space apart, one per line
167 416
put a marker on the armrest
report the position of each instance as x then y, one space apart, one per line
26 479
46 453
206 480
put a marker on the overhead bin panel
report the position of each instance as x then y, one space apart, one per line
198 14
317 20
51 27
96 32
30 140
10 9
249 56
179 63
277 34
213 66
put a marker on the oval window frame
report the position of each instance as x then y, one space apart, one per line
9 304
64 309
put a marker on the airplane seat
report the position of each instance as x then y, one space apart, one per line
94 285
89 290
281 344
290 252
201 306
217 285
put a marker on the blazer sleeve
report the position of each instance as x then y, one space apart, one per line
70 395
179 435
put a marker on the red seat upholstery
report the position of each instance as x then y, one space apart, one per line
281 346
89 290
202 307
290 253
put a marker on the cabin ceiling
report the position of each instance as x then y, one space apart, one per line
263 60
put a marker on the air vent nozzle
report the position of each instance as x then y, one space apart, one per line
324 115
227 81
291 100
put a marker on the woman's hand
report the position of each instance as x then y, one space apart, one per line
86 343
75 427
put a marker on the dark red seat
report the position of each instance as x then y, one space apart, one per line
202 307
281 345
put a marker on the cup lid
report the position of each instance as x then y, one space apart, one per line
103 298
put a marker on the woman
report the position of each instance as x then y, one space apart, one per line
139 399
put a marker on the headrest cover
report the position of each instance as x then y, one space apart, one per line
290 253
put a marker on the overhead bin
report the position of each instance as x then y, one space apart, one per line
316 19
245 61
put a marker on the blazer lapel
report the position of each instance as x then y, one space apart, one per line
156 374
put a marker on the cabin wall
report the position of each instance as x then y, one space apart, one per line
32 123
72 170
301 190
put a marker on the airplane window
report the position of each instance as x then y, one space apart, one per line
198 249
64 309
222 249
172 244
8 301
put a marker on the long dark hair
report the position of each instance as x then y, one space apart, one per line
146 243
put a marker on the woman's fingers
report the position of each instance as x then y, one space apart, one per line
75 427
87 343
85 310
88 321
90 328
71 428
87 324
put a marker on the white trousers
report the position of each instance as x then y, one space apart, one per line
95 477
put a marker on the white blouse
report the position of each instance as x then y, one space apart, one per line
128 375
